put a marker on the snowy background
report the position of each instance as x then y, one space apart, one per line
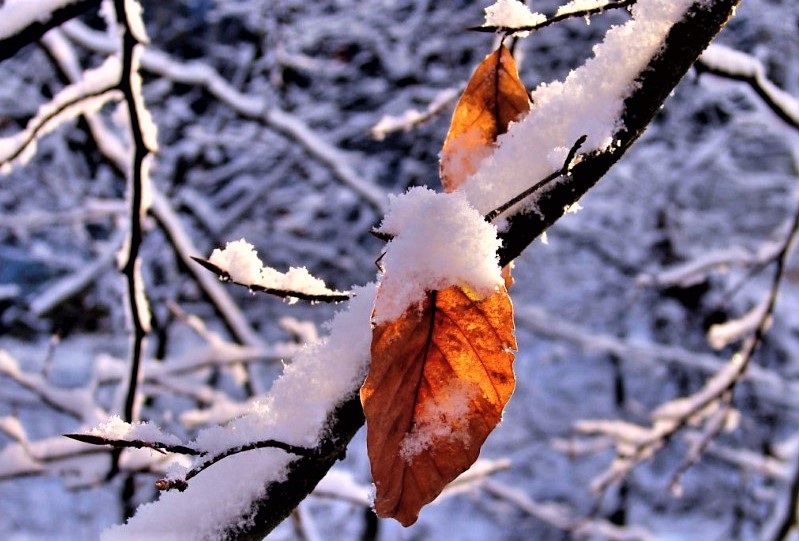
266 113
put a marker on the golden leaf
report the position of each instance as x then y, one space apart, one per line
494 97
439 380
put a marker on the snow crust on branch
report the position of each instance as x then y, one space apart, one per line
439 240
511 14
240 260
117 429
588 102
721 59
85 96
294 411
15 15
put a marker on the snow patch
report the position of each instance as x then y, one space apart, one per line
295 411
117 429
446 418
511 14
439 240
240 260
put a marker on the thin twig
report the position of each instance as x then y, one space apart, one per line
136 186
752 72
556 18
283 293
562 172
182 484
42 23
135 444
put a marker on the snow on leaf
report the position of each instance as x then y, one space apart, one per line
439 240
439 380
494 97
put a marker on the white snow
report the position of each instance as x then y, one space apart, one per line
720 335
117 429
588 102
741 64
133 10
295 411
580 6
240 260
446 418
15 15
439 241
90 94
511 14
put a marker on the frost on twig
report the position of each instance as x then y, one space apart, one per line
240 264
87 95
513 18
412 117
563 518
725 62
709 408
20 25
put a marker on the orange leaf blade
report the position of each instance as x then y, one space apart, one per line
494 97
439 380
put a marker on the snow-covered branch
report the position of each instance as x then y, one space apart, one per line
709 408
144 144
95 89
655 76
725 62
113 149
248 106
647 82
239 263
23 23
510 18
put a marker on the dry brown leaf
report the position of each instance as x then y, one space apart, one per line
439 380
494 97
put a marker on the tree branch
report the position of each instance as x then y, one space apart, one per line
137 180
135 444
10 44
685 42
332 296
731 64
560 16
